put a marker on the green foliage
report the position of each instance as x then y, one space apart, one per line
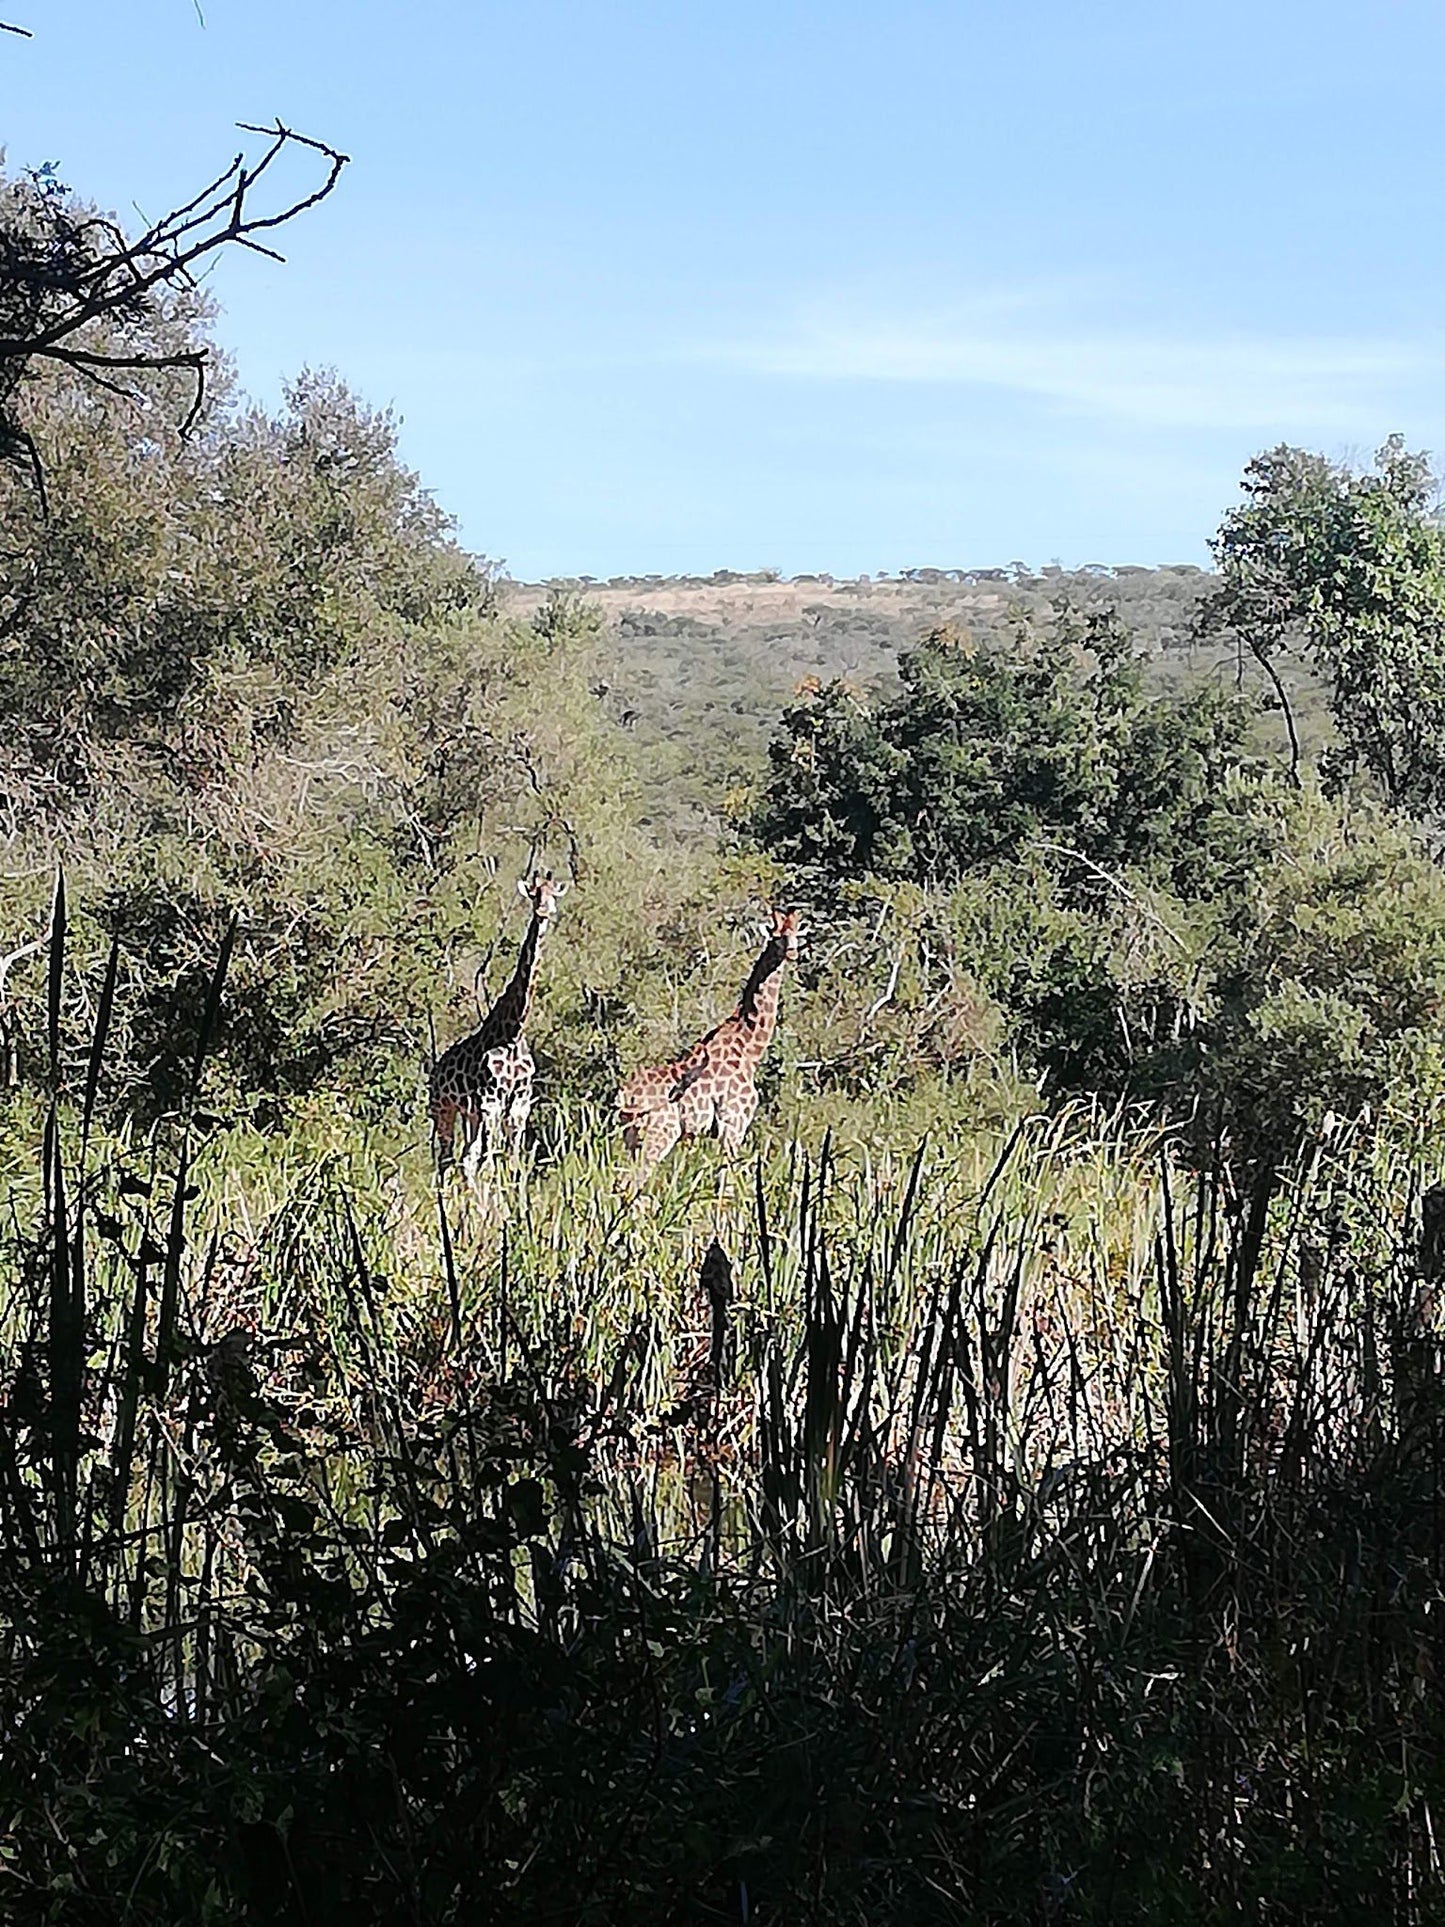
1118 896
985 751
1326 990
694 670
236 683
993 1531
1313 985
179 596
50 251
79 294
1001 1532
1352 567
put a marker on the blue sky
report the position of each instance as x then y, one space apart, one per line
811 286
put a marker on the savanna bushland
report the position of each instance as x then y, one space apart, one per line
1009 1491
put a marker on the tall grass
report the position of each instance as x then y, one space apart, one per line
1013 1530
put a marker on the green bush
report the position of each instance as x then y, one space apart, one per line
987 749
1314 984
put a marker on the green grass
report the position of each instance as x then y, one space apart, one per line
1005 1525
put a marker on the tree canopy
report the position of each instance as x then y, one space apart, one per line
989 747
1350 567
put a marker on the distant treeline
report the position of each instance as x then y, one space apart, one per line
1018 573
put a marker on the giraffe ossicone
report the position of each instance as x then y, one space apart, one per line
709 1091
484 1082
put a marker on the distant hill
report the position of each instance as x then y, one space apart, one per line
697 668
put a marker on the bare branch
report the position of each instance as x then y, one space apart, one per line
887 998
256 247
159 256
1114 883
102 277
84 358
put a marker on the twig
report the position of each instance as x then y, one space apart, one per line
1114 882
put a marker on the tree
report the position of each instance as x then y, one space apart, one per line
178 595
232 679
1351 567
987 749
78 293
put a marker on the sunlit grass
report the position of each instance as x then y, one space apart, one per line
1005 1411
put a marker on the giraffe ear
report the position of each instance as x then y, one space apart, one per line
560 889
522 890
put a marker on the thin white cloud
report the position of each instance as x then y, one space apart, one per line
1230 383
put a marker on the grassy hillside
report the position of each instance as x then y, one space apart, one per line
695 670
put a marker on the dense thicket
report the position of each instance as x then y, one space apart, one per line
989 748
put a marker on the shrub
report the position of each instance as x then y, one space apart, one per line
987 749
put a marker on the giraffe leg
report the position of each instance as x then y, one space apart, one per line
478 1146
518 1112
658 1132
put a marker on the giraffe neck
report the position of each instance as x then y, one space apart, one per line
757 1012
509 1013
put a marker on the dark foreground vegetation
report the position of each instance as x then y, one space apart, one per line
1012 1493
969 1576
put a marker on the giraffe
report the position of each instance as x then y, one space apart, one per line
485 1080
709 1091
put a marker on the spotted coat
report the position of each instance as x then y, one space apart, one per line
484 1082
709 1091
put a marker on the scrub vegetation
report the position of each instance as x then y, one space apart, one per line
1009 1491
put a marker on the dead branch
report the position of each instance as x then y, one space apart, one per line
9 1053
887 998
1114 883
13 957
117 279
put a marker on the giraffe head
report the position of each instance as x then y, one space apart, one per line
543 894
785 932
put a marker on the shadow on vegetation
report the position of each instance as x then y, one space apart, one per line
1001 1580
